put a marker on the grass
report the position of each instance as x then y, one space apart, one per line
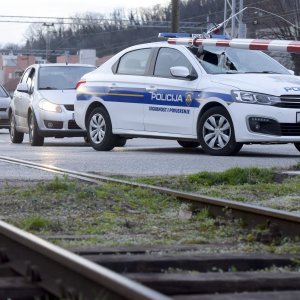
113 214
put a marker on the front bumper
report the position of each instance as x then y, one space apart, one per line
261 123
62 124
4 120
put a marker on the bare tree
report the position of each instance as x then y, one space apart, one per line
278 19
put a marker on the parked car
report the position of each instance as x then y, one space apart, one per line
4 107
43 103
219 99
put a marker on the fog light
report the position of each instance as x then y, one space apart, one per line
264 125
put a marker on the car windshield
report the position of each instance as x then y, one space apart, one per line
217 60
61 77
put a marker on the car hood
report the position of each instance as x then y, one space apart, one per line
273 84
59 96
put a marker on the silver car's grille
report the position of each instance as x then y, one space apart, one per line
289 101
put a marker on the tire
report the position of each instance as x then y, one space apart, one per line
15 136
99 130
188 144
216 133
35 139
86 139
297 145
121 142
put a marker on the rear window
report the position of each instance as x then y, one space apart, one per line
61 77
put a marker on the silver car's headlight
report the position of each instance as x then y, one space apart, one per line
254 98
49 106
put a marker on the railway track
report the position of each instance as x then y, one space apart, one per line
285 223
181 273
32 267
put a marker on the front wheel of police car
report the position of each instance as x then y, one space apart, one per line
34 137
99 130
216 133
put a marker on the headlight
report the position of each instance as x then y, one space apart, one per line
49 106
254 98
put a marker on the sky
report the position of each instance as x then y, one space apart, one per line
14 33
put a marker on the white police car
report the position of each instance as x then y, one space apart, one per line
220 98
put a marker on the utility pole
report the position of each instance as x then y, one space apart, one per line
230 9
175 15
47 25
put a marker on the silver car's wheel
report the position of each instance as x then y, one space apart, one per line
99 130
35 138
15 136
216 132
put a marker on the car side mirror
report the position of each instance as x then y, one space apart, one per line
23 87
182 72
292 72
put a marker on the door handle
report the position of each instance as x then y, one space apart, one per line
151 88
112 86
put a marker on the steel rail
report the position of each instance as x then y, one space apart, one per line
288 223
63 273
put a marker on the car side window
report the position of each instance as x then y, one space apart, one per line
25 76
30 80
167 58
134 62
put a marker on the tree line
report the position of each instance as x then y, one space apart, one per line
111 33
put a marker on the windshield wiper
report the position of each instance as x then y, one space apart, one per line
262 72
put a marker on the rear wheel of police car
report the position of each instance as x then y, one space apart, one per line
35 138
216 133
15 136
99 130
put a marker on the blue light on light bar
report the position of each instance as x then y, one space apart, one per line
174 35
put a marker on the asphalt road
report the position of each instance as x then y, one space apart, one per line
140 157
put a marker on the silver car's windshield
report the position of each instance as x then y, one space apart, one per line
61 77
216 60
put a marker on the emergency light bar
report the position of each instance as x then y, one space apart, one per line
192 35
251 44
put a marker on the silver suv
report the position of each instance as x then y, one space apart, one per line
43 103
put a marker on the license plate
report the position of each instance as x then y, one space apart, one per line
298 117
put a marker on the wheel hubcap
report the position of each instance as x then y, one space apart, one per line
97 128
216 132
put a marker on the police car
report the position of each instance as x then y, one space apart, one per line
200 92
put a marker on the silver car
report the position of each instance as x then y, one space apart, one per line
43 103
4 107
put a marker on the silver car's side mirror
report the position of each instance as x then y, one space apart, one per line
23 87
